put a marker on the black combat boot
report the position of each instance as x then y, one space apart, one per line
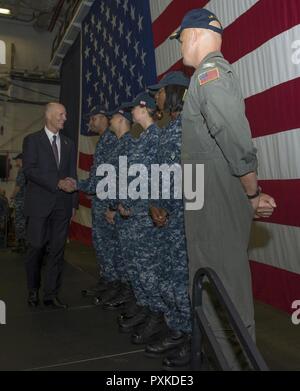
131 309
154 324
112 290
166 343
180 357
125 295
127 325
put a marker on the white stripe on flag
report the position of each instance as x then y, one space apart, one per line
278 155
83 217
276 245
82 174
88 144
255 77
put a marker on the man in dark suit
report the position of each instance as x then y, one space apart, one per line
48 158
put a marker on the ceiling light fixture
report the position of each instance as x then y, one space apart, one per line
5 11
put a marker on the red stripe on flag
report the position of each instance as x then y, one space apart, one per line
85 161
275 286
80 233
84 200
285 193
171 18
268 18
274 110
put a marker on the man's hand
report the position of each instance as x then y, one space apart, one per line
265 207
73 182
158 215
68 185
110 216
124 212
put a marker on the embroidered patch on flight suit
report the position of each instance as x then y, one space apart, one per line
206 77
208 65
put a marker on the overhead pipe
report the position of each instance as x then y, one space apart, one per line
56 14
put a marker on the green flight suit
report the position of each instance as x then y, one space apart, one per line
216 133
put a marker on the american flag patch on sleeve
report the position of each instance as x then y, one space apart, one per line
208 76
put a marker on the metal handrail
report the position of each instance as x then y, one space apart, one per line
202 329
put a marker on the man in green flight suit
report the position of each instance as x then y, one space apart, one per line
216 134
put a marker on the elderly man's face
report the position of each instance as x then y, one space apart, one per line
186 46
56 117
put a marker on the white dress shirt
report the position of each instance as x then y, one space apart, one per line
50 137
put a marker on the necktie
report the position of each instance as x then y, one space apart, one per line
55 150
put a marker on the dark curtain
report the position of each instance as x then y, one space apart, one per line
70 90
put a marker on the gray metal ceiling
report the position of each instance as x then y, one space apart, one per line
36 12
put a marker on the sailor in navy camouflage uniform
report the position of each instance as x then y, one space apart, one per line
120 124
141 232
102 233
168 214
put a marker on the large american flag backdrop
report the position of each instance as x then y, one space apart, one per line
261 40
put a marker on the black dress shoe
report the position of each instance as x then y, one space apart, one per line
180 357
168 342
55 303
33 299
154 325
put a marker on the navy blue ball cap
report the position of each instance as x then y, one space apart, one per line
172 78
97 110
198 18
143 99
19 156
125 110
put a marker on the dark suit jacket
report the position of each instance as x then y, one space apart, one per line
43 175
